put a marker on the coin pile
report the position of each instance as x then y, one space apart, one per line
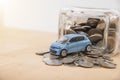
93 29
81 59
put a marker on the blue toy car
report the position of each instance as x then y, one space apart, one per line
70 43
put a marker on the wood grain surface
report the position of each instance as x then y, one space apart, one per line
19 62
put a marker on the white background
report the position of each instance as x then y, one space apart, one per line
43 14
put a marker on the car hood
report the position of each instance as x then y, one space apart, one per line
57 45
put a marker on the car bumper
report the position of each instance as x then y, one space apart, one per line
55 51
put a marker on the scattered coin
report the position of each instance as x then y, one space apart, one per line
95 61
89 59
83 63
81 59
95 53
52 62
107 64
50 56
54 56
77 56
107 57
68 59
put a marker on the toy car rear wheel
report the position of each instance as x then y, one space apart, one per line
88 48
63 53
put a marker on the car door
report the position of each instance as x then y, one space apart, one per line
73 45
81 43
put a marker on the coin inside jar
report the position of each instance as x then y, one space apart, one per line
94 31
95 38
111 44
93 22
70 31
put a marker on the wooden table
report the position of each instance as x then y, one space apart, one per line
19 62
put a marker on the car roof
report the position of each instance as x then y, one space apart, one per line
74 35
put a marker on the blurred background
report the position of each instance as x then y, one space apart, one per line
43 15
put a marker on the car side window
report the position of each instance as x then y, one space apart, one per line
73 39
77 39
80 38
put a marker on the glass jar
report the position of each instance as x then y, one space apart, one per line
101 26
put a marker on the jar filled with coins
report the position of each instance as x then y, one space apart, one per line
101 26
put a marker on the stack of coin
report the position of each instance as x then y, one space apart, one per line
93 29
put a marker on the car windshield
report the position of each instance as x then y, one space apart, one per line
62 40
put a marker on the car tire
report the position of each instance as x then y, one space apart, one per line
63 53
88 48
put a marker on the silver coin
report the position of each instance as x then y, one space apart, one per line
52 62
50 56
95 53
83 62
95 38
79 29
68 59
94 31
111 44
86 27
107 64
70 31
101 25
100 43
54 56
93 22
113 25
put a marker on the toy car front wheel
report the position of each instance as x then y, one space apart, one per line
63 53
88 48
